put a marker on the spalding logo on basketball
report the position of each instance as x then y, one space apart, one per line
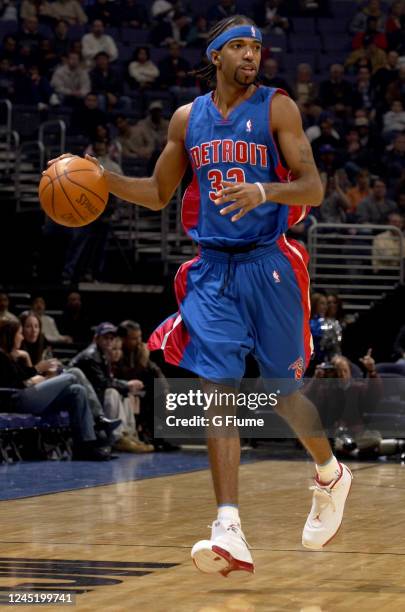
73 192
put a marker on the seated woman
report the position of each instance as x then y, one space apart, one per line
36 394
40 355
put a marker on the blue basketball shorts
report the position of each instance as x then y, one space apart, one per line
231 305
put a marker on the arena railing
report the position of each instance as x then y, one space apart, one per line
344 258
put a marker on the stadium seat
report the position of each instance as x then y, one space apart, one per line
390 368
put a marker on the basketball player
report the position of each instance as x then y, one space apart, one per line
247 290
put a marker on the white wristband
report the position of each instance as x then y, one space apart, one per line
263 193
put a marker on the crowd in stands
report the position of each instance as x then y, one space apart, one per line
117 69
107 386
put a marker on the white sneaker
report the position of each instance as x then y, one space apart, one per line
326 514
225 552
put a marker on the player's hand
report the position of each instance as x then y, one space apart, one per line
56 159
67 155
245 197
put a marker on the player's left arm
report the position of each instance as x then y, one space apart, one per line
305 190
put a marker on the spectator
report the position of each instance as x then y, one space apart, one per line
385 75
105 82
327 136
394 119
327 160
394 160
103 10
5 314
387 247
343 405
47 59
132 14
376 207
220 10
102 134
335 309
40 355
372 9
6 79
306 90
369 54
136 363
70 81
270 76
174 68
96 41
9 49
198 34
133 144
37 394
363 95
61 42
87 116
75 322
29 37
95 362
360 191
130 415
336 202
155 126
29 8
68 10
32 88
49 327
396 89
271 18
336 93
8 10
396 38
163 27
371 34
34 342
142 70
396 14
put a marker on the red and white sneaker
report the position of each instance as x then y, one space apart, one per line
328 504
227 550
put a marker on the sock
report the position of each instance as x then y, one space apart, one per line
228 512
328 471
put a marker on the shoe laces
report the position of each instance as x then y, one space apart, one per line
237 530
322 498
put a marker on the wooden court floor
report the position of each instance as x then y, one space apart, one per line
127 546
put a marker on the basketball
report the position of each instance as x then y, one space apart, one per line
73 192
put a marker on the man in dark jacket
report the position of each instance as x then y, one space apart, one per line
95 362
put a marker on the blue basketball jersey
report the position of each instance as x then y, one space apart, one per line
239 148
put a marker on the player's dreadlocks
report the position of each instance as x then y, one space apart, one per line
208 73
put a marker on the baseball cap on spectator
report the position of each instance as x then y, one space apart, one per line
105 328
155 104
327 148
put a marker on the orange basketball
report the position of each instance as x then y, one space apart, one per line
73 192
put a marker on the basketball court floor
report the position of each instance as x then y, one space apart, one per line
124 542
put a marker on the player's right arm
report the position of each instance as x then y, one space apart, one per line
155 192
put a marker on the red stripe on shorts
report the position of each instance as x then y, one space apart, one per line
298 258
